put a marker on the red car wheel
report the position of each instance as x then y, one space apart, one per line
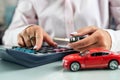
113 65
75 66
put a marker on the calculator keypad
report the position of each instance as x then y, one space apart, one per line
43 50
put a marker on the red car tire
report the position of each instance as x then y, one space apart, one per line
75 66
113 64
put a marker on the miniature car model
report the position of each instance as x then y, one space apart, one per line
93 58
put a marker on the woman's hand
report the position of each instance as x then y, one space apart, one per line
96 38
34 36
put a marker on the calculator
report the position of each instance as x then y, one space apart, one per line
29 57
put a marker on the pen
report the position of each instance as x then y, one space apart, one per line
61 39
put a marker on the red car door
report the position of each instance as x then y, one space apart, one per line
94 60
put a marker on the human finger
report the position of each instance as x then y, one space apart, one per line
20 41
84 42
48 39
103 40
31 32
85 31
26 39
32 40
38 38
96 45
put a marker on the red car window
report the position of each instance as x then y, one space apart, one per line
97 54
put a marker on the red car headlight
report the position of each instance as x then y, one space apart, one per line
65 62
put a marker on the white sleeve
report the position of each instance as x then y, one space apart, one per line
10 36
24 16
115 36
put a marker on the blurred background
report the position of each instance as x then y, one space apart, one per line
7 8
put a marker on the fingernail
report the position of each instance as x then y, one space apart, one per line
34 47
55 44
74 33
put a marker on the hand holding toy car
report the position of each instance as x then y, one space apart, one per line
96 38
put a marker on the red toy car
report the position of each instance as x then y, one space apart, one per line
93 58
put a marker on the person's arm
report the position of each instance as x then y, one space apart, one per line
23 30
115 34
98 37
24 16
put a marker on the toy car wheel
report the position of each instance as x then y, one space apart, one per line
75 66
113 65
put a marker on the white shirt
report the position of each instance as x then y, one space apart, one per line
61 17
